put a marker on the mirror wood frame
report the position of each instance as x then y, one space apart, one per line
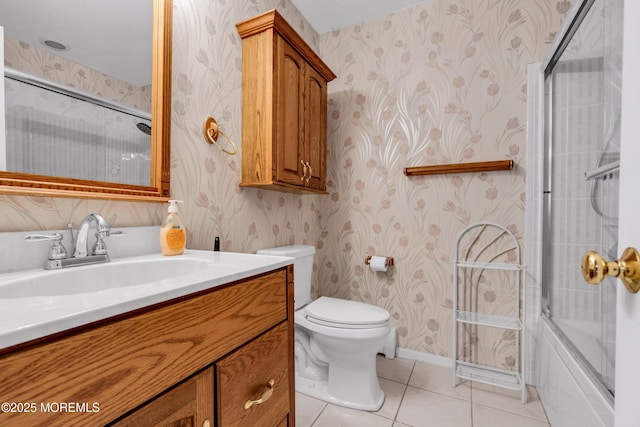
159 190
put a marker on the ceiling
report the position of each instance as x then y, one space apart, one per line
104 35
112 36
329 15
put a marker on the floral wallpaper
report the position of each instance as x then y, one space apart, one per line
207 76
440 82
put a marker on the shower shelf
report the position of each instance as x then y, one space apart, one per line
489 265
477 249
489 375
488 320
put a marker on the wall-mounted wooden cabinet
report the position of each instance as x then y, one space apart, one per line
284 108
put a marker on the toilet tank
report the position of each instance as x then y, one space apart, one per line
302 269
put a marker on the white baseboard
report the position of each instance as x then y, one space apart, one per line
424 357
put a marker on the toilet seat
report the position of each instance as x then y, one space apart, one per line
346 314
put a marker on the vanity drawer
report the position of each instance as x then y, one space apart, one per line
245 374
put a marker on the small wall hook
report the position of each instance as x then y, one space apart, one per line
211 131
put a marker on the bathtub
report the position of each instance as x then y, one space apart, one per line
570 397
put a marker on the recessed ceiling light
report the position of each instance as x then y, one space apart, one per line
54 45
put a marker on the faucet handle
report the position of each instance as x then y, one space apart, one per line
57 250
36 237
100 247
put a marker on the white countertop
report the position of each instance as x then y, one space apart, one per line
27 318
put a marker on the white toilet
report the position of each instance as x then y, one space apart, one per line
336 340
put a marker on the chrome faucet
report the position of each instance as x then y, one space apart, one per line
81 255
82 238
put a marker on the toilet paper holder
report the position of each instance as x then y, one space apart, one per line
367 260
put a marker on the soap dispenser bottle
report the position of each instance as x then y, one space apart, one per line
173 236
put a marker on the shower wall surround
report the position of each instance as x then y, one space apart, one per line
441 82
52 134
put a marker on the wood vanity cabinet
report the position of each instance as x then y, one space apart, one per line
200 360
284 108
188 404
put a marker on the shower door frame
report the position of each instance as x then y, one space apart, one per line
547 247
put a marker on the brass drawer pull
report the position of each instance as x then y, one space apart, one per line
304 170
265 393
310 172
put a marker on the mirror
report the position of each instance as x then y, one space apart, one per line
153 156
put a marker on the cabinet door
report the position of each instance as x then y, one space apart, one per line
257 372
190 404
315 127
289 111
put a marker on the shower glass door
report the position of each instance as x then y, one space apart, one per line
582 91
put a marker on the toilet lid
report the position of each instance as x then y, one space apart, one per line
340 313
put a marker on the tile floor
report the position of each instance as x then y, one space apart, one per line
420 394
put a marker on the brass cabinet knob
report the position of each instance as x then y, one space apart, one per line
627 268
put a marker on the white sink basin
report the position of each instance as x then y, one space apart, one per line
35 303
98 277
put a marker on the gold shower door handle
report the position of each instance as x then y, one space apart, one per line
627 268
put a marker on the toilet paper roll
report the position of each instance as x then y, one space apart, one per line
378 263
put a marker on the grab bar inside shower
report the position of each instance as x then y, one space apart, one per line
602 170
